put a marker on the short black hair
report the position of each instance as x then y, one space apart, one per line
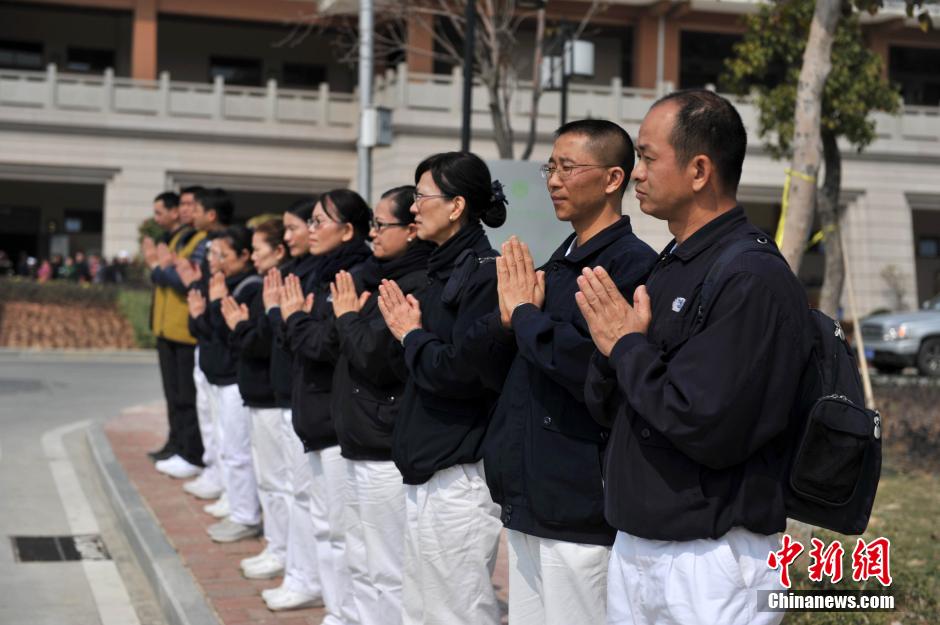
169 199
194 189
403 197
708 124
217 200
610 144
238 237
348 207
303 207
465 174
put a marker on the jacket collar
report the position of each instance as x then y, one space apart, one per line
442 260
599 241
708 235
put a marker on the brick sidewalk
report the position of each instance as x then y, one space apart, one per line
215 567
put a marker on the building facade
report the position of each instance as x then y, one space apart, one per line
104 103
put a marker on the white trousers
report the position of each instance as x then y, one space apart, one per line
206 401
329 481
696 582
301 573
270 461
238 472
552 582
375 536
451 539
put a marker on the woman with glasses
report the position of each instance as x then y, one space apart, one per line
301 586
337 233
452 524
367 388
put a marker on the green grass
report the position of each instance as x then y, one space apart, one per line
134 305
906 511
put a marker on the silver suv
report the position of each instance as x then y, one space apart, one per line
897 340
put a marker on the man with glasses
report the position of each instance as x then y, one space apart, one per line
542 450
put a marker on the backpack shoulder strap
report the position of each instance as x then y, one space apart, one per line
715 276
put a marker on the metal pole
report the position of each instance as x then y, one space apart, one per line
468 47
364 153
567 61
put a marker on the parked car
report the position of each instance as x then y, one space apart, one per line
897 340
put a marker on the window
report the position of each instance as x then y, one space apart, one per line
236 71
78 220
88 60
626 57
303 75
915 69
928 247
21 55
702 57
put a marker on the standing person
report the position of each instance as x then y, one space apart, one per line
253 346
182 452
542 449
367 388
211 212
338 231
700 400
453 525
237 277
301 586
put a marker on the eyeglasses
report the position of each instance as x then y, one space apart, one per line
418 197
379 226
316 224
564 171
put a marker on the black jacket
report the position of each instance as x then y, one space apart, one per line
281 356
314 344
542 450
446 405
367 383
702 410
217 358
252 340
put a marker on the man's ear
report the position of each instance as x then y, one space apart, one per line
701 170
615 178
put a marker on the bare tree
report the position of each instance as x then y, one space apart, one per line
496 62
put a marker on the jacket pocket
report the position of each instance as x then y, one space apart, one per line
664 468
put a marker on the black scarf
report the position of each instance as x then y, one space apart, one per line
346 256
414 259
303 267
445 255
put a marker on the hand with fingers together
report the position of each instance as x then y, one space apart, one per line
165 257
188 272
196 303
217 288
402 314
233 312
517 280
271 289
292 298
148 249
609 315
345 299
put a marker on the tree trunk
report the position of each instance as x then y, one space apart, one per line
501 127
829 214
536 84
806 139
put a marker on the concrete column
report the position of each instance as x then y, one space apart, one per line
144 40
127 203
645 35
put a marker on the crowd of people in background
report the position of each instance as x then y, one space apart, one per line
77 267
378 391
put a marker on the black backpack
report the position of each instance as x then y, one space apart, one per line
835 460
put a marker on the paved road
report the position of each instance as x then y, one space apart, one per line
49 487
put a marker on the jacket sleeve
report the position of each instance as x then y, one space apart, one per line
493 348
600 391
369 346
728 389
168 277
254 336
313 337
200 328
447 367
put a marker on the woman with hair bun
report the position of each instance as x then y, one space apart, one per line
452 529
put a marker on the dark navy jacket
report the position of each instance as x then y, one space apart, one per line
701 410
446 406
251 340
314 344
369 377
543 450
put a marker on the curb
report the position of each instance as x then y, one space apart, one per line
180 598
76 355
